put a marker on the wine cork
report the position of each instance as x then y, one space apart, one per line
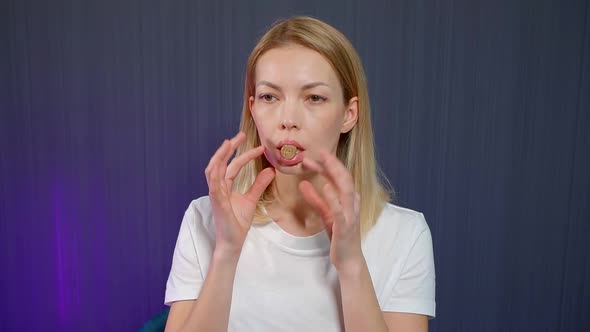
288 151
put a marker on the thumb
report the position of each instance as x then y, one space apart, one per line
262 181
313 198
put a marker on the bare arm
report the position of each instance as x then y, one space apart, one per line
232 213
361 309
398 322
211 311
339 209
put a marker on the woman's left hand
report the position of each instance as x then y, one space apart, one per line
339 208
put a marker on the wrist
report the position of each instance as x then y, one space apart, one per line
352 269
226 255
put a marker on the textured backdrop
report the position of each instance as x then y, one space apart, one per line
110 110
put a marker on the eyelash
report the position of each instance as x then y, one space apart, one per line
322 99
264 96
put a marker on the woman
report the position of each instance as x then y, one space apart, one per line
297 233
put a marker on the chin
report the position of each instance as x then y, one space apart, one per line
290 170
289 167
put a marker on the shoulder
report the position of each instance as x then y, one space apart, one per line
200 205
198 216
397 219
396 231
398 245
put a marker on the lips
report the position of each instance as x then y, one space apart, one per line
290 142
287 157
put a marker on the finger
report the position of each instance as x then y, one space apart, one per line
236 165
312 165
337 172
212 170
234 143
330 167
262 181
314 199
215 158
338 175
220 154
331 197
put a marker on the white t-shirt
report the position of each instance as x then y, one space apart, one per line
287 283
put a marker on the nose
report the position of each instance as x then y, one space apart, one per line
288 123
290 116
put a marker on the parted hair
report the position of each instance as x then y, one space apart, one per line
355 148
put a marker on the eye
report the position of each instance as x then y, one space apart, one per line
267 98
316 99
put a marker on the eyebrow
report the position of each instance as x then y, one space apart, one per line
305 87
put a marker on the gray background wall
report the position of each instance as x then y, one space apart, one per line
110 110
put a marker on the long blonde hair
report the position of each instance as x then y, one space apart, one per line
355 148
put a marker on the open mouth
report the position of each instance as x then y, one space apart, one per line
290 151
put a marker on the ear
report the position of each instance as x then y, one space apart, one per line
351 115
250 103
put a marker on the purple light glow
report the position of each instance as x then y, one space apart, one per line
58 221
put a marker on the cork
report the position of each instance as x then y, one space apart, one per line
288 151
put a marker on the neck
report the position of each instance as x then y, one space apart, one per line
289 208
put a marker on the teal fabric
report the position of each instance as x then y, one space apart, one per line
156 323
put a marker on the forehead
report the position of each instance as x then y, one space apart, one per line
295 65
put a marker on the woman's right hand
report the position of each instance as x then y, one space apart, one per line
232 211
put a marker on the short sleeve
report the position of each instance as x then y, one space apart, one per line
415 289
186 277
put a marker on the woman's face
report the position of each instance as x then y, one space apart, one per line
298 100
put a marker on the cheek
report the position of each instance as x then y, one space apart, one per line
261 114
329 124
327 130
262 127
259 123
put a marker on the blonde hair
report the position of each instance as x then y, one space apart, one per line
355 148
